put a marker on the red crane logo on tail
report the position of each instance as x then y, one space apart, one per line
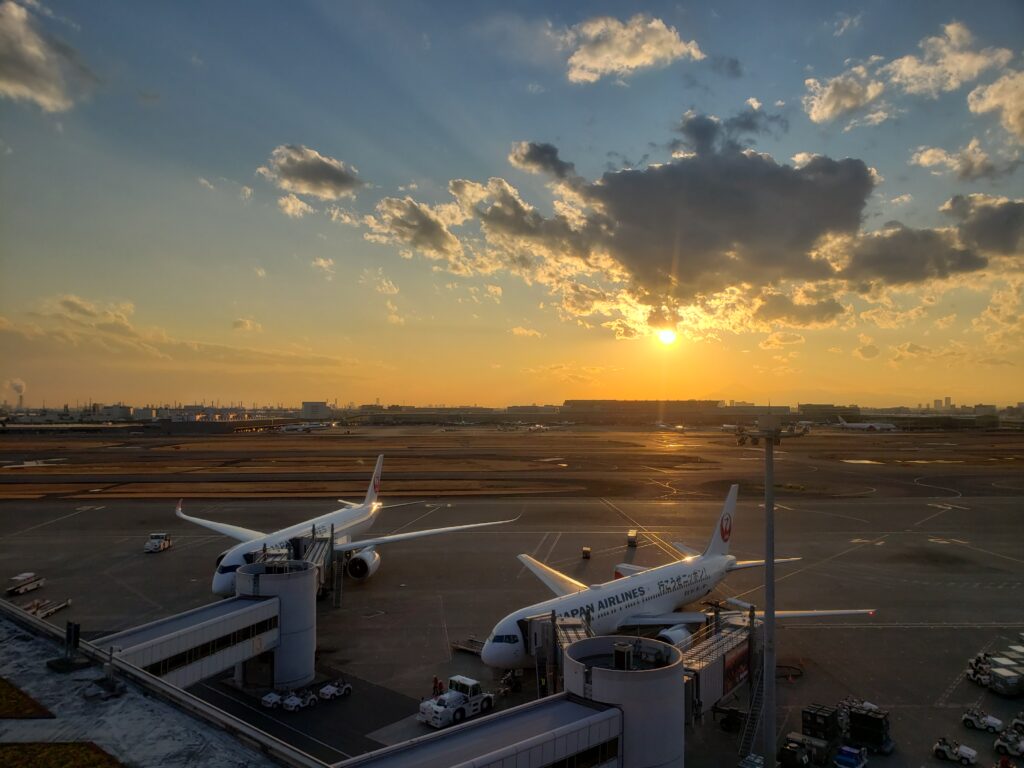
726 526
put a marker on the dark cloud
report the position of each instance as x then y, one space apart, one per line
779 308
540 158
900 255
407 222
716 218
705 133
296 168
991 224
729 66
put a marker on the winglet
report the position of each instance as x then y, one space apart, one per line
719 544
554 580
374 489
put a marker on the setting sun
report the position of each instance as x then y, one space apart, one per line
666 336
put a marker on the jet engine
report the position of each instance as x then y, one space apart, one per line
363 565
674 635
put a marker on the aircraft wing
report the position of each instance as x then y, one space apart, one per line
225 529
663 619
741 564
352 546
554 580
743 605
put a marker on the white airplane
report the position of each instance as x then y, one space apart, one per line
867 426
642 597
348 521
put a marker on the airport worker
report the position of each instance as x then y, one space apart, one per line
437 686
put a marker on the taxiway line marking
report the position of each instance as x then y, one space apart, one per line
933 514
671 551
41 525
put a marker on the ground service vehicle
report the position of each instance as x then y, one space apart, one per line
1009 742
337 689
463 699
158 542
299 700
976 719
1017 723
850 757
1007 681
946 749
271 700
981 676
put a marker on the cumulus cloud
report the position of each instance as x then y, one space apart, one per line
246 324
946 63
205 184
408 223
341 216
901 255
1005 96
540 158
867 351
245 193
260 272
524 332
780 339
779 308
379 281
993 224
842 95
299 169
969 163
394 317
903 199
293 207
605 46
36 68
325 266
845 22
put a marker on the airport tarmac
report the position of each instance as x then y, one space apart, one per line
935 548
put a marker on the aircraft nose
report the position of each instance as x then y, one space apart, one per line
224 584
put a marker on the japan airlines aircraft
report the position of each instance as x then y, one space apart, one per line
348 521
642 597
867 426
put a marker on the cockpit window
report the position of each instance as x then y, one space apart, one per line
511 639
227 568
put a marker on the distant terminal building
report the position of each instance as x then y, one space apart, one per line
639 411
822 412
315 410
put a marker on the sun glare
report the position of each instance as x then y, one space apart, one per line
666 335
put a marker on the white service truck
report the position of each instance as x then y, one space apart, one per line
158 542
463 699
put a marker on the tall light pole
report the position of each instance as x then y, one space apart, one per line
768 429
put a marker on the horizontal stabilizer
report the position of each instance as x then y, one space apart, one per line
627 569
225 529
352 546
663 619
741 564
554 580
685 550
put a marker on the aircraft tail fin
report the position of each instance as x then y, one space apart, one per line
374 489
842 421
719 544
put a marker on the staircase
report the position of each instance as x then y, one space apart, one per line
753 714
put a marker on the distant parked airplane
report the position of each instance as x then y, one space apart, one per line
867 426
348 521
642 597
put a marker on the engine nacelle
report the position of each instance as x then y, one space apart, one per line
674 635
363 565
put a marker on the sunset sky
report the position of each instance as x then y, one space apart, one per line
487 203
